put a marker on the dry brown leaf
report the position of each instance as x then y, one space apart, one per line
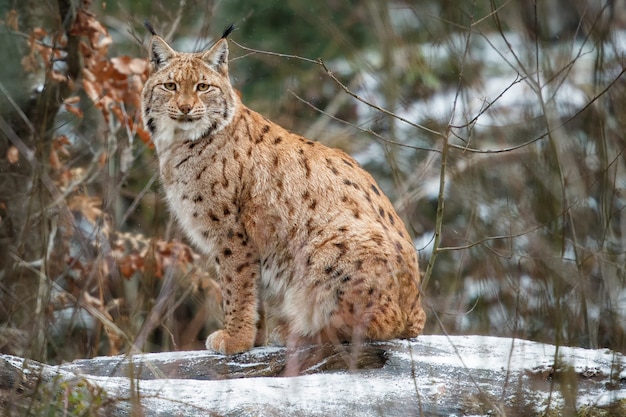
61 144
130 66
102 159
39 33
57 76
90 207
74 110
92 89
72 100
121 64
54 160
11 20
29 63
126 267
145 137
138 66
13 155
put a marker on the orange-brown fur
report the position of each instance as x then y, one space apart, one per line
296 229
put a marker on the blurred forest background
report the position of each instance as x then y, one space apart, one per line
512 113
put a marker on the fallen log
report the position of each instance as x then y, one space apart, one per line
430 375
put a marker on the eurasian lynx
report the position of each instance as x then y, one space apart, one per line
298 231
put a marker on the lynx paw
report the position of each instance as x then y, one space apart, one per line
222 342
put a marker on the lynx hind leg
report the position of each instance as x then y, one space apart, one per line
261 338
411 304
279 334
381 303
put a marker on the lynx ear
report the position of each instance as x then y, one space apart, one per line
160 52
217 56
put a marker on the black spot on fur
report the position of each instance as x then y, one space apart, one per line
307 167
345 161
266 129
199 174
337 273
342 248
151 125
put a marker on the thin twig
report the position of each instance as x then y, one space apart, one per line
91 309
445 146
176 22
280 55
362 129
372 105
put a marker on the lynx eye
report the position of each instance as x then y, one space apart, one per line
202 87
170 86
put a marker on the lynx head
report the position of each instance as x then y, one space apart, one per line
188 95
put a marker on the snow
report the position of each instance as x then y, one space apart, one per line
508 80
311 395
432 375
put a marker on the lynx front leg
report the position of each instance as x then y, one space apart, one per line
238 272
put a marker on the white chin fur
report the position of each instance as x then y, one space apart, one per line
184 130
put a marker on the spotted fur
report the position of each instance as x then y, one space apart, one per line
297 230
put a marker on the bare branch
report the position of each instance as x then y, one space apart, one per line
364 130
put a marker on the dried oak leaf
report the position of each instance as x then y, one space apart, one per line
13 155
86 24
54 160
89 207
74 110
11 20
129 66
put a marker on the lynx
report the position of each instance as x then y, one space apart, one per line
302 237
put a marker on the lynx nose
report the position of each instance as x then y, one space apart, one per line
185 108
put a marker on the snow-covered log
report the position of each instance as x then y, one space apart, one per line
431 375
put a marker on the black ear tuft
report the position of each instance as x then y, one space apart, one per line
228 30
148 26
